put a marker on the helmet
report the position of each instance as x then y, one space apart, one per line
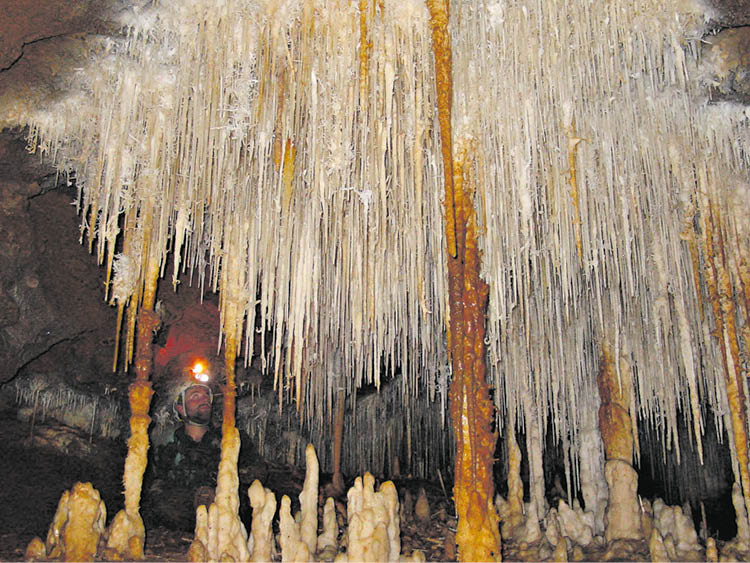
196 375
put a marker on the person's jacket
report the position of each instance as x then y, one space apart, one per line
185 463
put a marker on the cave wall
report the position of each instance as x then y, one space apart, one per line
50 288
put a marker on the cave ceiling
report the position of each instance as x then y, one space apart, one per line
43 302
52 308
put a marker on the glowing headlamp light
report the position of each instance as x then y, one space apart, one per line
199 372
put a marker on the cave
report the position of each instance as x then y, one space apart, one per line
469 279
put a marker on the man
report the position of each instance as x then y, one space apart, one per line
183 470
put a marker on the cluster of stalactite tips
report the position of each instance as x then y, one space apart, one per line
525 211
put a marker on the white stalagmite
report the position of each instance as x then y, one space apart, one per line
223 535
308 500
278 121
260 542
293 549
328 539
373 533
670 520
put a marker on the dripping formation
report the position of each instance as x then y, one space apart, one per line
292 156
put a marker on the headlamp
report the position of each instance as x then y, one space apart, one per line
196 375
199 372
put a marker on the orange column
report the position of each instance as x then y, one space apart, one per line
725 300
472 411
127 533
338 438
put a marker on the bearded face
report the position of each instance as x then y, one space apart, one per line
198 404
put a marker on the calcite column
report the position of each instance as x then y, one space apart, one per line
622 518
127 534
591 462
472 411
219 533
729 295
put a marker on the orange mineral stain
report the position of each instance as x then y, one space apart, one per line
472 411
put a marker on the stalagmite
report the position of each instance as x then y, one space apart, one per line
260 542
338 434
552 527
198 551
373 533
534 453
561 550
328 539
225 535
293 549
417 556
35 551
575 524
532 531
671 521
656 547
308 500
514 516
623 519
712 554
389 500
647 518
422 507
77 526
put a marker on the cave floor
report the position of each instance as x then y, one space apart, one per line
36 471
35 476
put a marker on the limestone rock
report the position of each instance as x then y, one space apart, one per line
726 64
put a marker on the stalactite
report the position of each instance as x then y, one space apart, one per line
573 142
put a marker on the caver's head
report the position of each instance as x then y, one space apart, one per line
193 399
